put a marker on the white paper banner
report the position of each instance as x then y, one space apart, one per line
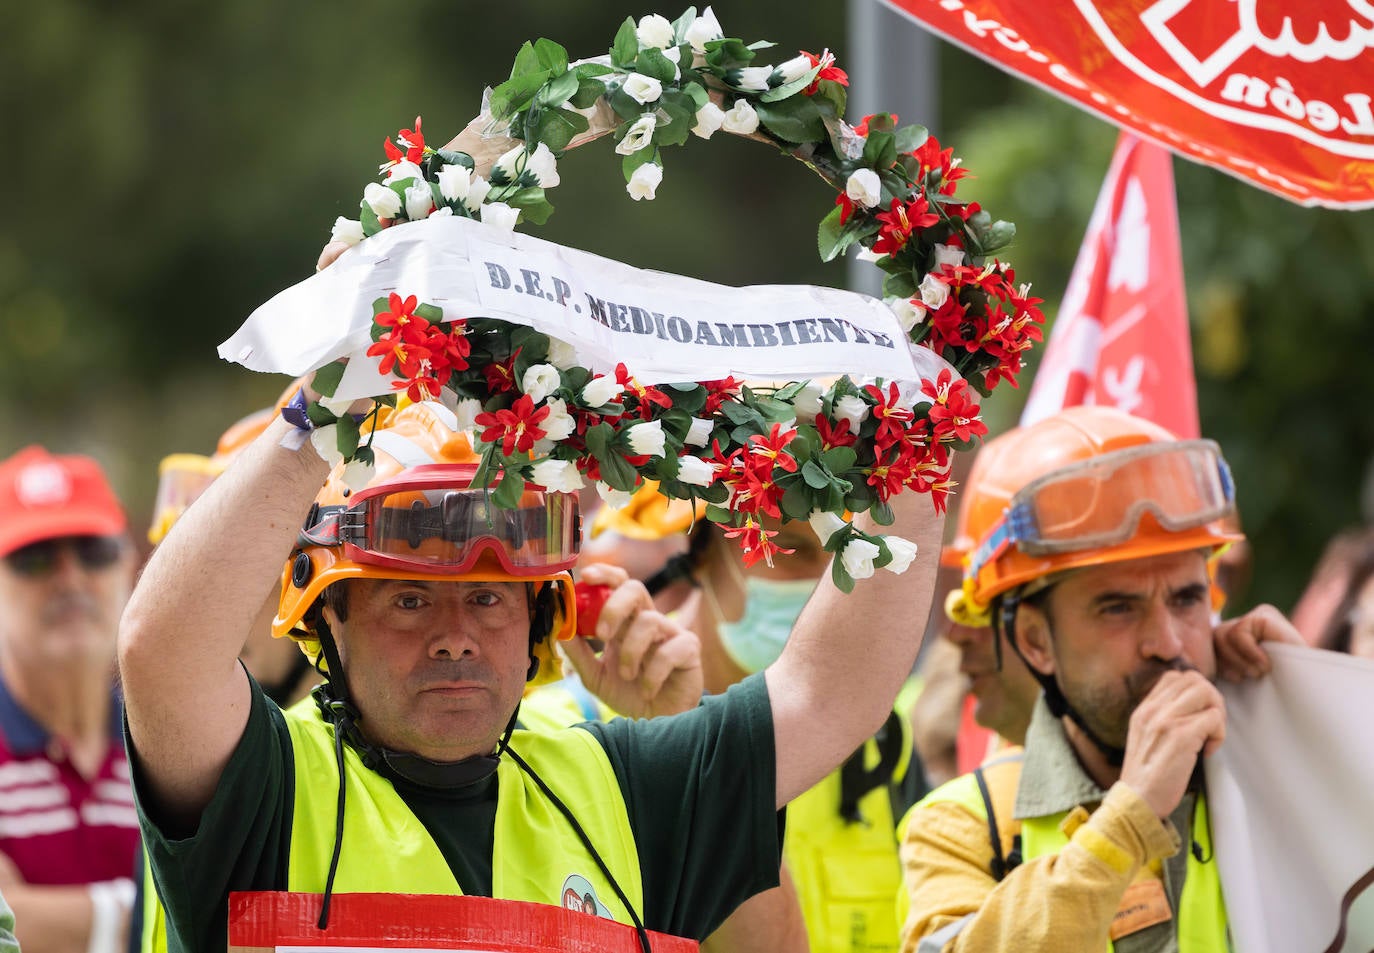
1291 791
664 327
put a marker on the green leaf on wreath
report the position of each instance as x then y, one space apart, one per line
839 459
347 436
910 138
527 62
431 313
508 491
882 514
616 471
557 127
899 286
830 236
652 63
371 226
636 159
792 88
551 55
729 53
793 120
588 91
688 398
719 514
515 94
319 415
557 91
626 45
327 378
683 23
814 475
532 204
840 576
880 151
795 503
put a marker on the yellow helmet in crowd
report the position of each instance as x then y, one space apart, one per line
420 518
1086 487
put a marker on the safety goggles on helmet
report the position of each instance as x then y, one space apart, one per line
430 518
1098 503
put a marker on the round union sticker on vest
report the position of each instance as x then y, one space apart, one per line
578 894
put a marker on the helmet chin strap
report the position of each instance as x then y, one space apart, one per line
1059 705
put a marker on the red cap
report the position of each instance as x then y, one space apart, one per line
47 497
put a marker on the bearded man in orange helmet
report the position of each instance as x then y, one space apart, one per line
1093 537
428 606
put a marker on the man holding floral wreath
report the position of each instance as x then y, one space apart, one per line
429 637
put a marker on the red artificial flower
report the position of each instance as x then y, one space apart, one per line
401 349
516 428
449 348
423 384
717 392
888 479
953 412
648 397
837 435
846 205
413 141
933 159
500 375
400 312
892 418
900 221
768 452
756 542
829 71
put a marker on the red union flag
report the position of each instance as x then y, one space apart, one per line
1121 337
1275 92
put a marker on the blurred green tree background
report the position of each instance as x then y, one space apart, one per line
176 165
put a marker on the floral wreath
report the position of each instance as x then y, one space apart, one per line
800 451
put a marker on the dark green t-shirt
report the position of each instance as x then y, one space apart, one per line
699 789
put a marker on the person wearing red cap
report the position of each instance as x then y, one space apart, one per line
68 829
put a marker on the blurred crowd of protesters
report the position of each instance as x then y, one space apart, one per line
68 830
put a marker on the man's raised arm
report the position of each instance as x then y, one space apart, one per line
848 655
186 697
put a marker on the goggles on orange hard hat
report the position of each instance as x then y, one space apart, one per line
1089 486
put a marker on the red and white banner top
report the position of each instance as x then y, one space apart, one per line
1276 93
1121 338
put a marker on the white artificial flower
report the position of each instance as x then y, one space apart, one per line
562 355
654 32
477 192
857 557
699 433
695 471
807 403
703 29
338 406
544 164
615 499
825 524
934 292
753 78
853 409
454 181
383 201
647 438
643 89
500 215
404 170
795 68
709 119
741 120
673 54
864 188
601 391
948 255
466 411
557 476
640 135
539 381
357 475
909 312
645 181
419 201
444 212
325 440
559 424
903 552
867 254
347 230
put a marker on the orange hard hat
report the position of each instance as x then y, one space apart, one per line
1086 487
420 518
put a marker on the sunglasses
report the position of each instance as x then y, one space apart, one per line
40 559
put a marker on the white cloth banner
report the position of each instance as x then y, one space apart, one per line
1292 797
664 327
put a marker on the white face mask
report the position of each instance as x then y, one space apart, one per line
771 607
